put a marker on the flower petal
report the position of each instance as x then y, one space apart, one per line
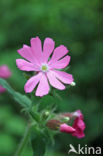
4 71
2 89
43 87
77 113
59 52
79 134
36 47
63 76
27 53
26 66
81 124
32 82
61 63
54 81
66 128
48 48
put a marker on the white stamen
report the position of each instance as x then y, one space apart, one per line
44 67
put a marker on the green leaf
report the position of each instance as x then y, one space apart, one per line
18 97
22 99
38 142
6 85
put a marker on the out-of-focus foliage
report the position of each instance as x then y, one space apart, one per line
77 24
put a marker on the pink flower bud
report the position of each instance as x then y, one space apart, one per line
53 124
2 89
4 73
67 129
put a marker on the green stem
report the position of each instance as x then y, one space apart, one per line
23 141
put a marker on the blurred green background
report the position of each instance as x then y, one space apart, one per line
78 24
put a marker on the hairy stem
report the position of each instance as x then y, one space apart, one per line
23 141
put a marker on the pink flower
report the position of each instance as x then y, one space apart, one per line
46 67
4 73
78 126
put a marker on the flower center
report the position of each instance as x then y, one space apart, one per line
44 67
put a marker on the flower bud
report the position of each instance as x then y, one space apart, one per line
47 113
66 128
73 84
53 124
65 119
4 73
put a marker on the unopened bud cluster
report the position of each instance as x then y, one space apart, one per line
61 123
